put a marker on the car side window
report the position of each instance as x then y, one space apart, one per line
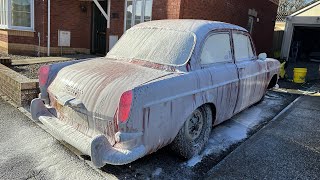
216 49
242 47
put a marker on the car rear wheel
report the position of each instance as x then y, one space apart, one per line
194 134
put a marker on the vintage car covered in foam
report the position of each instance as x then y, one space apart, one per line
165 82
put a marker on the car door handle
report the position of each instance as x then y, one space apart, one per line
241 67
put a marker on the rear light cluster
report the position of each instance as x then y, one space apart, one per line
43 75
125 106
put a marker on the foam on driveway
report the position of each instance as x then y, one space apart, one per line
287 148
27 151
240 126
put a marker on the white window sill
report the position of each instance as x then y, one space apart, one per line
17 29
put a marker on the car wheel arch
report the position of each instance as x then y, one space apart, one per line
213 111
273 81
212 108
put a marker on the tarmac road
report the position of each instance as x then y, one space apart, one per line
287 148
27 151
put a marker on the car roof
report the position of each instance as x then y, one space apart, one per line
198 27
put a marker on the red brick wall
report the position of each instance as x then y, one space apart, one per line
40 21
67 15
263 30
117 19
21 39
3 38
231 11
3 42
40 6
166 9
236 12
162 9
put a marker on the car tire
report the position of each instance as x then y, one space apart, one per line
194 134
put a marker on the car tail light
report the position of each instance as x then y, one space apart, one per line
125 106
43 75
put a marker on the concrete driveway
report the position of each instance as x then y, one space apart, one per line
28 152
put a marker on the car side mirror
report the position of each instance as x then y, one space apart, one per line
262 56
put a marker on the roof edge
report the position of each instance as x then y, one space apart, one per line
305 9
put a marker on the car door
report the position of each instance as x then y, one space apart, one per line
252 72
217 61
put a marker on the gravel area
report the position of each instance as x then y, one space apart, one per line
16 57
30 71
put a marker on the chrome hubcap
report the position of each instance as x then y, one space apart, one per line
195 124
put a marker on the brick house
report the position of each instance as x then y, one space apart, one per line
93 26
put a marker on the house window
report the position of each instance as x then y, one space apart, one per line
250 24
3 13
17 14
137 11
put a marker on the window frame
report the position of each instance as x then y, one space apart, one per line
143 8
5 26
231 47
255 57
9 18
250 24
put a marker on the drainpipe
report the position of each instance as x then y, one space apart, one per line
39 44
109 13
49 33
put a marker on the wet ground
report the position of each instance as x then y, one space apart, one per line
288 148
224 139
28 151
312 67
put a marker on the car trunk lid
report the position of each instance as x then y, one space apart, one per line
86 95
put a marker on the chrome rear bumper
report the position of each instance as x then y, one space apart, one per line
98 148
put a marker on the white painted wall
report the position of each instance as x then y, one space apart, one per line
290 24
308 17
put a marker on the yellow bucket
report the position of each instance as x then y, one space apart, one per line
282 70
299 75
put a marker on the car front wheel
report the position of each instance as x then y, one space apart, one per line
194 134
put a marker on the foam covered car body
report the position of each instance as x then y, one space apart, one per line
165 82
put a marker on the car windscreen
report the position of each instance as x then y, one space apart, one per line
162 46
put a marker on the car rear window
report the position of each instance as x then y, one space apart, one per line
162 46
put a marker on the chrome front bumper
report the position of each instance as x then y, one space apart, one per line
98 148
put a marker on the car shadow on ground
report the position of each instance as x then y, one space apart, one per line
164 164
